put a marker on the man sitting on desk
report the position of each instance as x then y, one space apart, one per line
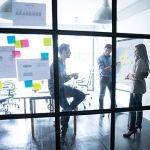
65 91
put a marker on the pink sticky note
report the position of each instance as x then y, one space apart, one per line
16 54
25 43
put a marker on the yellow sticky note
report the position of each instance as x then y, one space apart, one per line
1 85
36 86
47 41
18 44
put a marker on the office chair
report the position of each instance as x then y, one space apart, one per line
51 105
87 86
8 91
3 105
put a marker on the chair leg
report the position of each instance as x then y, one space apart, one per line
51 105
75 122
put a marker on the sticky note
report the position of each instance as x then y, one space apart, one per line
16 54
47 41
25 43
44 56
11 39
28 83
36 86
18 44
1 85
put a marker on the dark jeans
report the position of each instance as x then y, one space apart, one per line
135 117
77 96
104 82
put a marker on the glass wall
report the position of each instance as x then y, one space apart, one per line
134 16
134 142
125 58
18 132
94 137
84 54
25 61
33 14
31 33
83 16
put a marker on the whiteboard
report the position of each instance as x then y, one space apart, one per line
7 62
125 55
32 69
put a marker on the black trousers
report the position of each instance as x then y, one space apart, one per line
105 82
77 96
135 117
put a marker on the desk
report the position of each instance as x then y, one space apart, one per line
32 97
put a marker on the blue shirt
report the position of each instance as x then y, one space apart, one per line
63 77
103 62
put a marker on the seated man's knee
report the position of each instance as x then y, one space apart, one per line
82 96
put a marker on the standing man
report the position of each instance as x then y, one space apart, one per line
105 72
65 91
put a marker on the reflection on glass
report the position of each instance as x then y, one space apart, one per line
141 135
72 15
20 129
96 133
134 15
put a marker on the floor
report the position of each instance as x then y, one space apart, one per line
93 133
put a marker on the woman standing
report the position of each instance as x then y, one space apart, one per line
140 72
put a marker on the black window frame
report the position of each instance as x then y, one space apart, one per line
55 32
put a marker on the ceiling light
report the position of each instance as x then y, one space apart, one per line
104 14
6 9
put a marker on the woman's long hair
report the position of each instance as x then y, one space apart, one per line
143 55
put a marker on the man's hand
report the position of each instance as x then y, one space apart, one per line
74 75
129 76
108 68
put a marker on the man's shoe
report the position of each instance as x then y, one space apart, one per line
62 139
101 115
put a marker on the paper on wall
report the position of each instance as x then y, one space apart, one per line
7 62
29 14
32 69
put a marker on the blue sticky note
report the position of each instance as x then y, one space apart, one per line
28 83
44 56
11 39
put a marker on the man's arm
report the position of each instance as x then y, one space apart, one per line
102 66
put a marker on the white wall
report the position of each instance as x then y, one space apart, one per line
139 23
